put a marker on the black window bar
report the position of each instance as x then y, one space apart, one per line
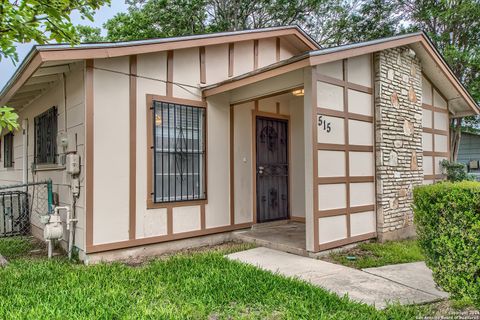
46 137
179 152
8 150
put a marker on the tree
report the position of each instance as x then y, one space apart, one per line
89 34
158 19
454 27
39 21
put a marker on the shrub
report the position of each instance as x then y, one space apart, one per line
447 217
456 171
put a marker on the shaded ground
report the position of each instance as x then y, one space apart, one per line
373 254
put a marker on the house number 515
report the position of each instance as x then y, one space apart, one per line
324 124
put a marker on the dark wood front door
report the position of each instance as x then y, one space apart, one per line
272 169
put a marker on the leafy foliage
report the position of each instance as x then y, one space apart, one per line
40 21
8 118
456 171
88 34
447 218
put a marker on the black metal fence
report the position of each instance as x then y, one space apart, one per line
21 207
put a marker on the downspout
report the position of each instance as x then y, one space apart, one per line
25 151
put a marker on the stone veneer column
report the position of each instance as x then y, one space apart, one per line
398 145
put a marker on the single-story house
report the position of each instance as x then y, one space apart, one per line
185 139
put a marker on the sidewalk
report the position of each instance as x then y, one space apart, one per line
409 283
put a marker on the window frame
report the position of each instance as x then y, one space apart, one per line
150 114
54 161
8 161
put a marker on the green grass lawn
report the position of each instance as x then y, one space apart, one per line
367 255
199 285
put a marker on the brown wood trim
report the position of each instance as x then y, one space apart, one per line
89 141
170 73
149 121
352 179
347 143
133 148
187 102
314 142
174 204
330 213
256 105
433 177
343 211
173 44
267 96
32 67
170 220
330 113
342 114
436 131
277 49
359 87
360 117
232 165
159 239
256 77
255 54
367 49
343 83
341 147
339 243
436 154
297 219
277 108
272 115
203 72
365 208
231 57
432 108
202 217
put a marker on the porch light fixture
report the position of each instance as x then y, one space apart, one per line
298 92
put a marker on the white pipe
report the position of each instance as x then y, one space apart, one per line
70 227
50 248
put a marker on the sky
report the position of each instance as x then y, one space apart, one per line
7 68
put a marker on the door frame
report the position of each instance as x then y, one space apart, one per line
275 116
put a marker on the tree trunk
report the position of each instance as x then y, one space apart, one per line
455 138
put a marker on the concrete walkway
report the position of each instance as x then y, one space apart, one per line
409 283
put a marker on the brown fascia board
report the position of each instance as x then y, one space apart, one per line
337 53
41 54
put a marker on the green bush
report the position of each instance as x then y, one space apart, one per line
456 171
447 217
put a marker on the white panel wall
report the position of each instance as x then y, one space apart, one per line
332 228
111 160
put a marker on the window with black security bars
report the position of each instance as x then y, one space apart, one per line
179 152
46 137
8 150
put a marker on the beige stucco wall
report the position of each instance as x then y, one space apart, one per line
68 96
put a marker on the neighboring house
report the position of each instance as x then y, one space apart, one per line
193 136
469 152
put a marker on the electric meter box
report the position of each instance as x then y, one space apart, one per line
72 163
